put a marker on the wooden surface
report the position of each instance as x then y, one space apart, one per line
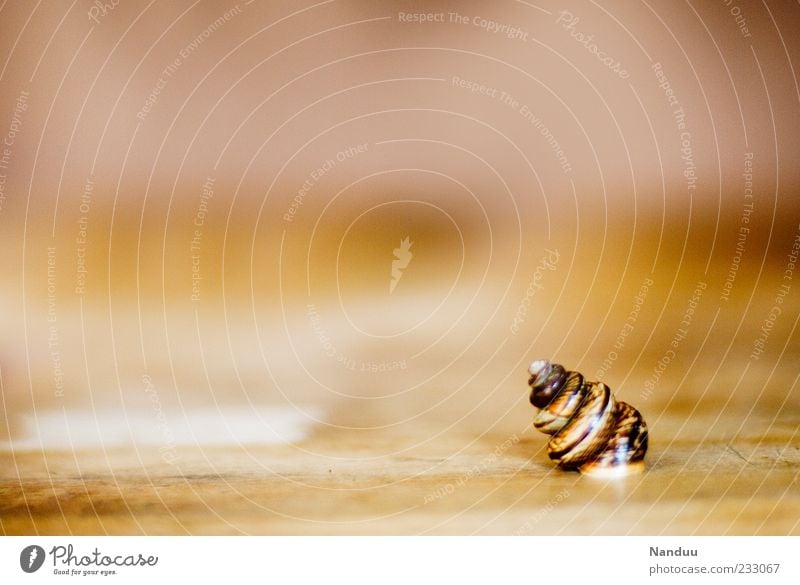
453 454
704 476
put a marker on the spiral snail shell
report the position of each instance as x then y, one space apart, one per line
591 431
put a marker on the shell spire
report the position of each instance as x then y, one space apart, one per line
590 430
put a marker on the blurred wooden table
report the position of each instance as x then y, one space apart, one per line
704 477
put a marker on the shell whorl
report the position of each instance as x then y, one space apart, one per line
590 430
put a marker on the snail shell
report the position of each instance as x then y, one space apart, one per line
590 430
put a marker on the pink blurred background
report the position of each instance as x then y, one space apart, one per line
201 203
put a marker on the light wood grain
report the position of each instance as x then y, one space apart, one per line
696 483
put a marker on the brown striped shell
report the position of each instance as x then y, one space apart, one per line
590 430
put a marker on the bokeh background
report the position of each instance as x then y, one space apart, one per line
201 204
